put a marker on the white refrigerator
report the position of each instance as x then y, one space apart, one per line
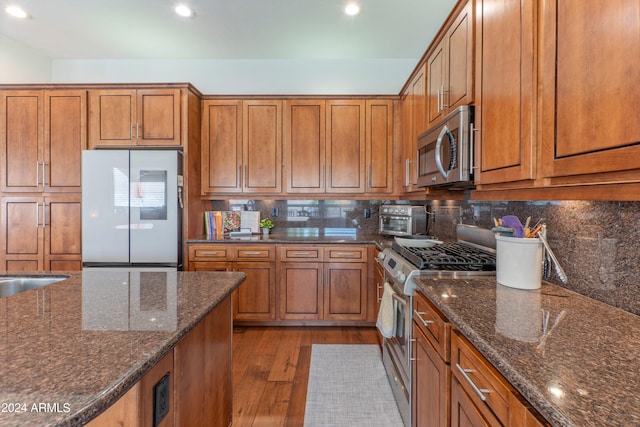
132 208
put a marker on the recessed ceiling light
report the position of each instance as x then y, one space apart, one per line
183 10
352 9
16 11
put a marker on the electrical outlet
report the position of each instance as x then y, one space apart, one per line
161 400
367 212
275 212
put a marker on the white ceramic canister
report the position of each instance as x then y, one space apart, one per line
519 262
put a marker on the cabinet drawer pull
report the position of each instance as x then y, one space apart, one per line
424 322
300 253
479 391
208 253
252 253
345 254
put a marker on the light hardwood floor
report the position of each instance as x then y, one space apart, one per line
271 370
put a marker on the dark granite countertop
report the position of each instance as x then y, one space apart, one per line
71 349
304 235
584 371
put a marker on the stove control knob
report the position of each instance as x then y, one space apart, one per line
381 256
401 276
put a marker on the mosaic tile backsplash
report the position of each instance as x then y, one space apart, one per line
596 243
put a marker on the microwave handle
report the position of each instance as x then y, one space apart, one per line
438 157
471 151
406 172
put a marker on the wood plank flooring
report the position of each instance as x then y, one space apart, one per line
271 370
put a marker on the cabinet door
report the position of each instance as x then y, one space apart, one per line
255 297
304 146
221 146
459 67
65 136
590 92
506 92
414 111
21 133
464 413
436 63
300 291
158 117
262 151
346 146
22 234
431 384
379 146
112 117
63 234
345 295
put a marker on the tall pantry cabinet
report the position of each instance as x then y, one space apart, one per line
43 130
42 134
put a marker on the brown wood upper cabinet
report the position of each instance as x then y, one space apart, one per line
450 67
126 117
241 146
42 136
338 146
379 146
590 97
345 146
304 146
505 92
414 106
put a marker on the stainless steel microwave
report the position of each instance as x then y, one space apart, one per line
445 151
403 220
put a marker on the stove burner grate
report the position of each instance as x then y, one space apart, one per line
448 256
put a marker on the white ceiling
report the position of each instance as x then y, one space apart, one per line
226 29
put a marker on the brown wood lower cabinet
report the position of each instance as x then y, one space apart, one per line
431 372
293 283
345 291
449 374
311 287
199 370
301 292
41 233
254 300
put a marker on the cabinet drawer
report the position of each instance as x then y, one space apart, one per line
255 253
345 253
209 252
433 325
300 253
485 385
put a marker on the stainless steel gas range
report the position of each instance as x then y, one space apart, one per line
472 254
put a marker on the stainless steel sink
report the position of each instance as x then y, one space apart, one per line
14 285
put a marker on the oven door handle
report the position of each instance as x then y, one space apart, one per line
399 299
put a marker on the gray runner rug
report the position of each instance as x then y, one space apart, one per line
348 386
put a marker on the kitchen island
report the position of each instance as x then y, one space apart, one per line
70 350
574 359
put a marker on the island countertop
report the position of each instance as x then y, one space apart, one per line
71 349
573 358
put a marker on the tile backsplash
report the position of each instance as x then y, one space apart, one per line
311 213
596 243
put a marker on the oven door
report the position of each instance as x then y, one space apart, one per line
396 355
395 225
